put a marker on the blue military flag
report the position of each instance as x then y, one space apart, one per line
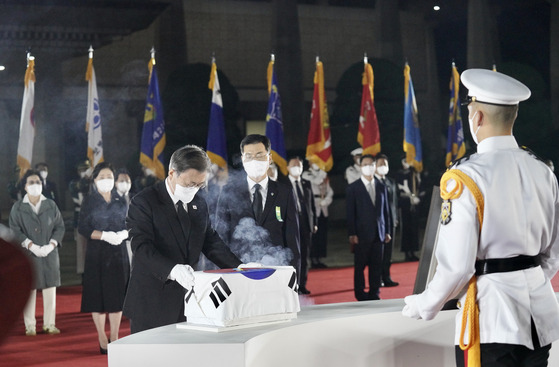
274 123
412 137
455 146
153 132
216 146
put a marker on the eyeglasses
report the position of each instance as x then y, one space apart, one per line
200 186
257 157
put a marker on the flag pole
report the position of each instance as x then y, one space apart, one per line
90 51
365 59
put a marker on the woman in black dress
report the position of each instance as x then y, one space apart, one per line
102 222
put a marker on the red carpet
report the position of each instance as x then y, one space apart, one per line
77 344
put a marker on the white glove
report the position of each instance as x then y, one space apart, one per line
249 265
45 250
36 250
111 237
183 274
410 309
122 234
415 200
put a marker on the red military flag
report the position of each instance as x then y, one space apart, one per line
319 143
369 134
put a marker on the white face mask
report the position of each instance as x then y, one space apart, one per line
295 171
315 167
34 190
368 170
471 122
44 174
149 172
105 185
185 194
256 169
382 170
123 187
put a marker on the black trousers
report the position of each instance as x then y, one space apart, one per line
510 355
305 236
320 239
367 255
387 259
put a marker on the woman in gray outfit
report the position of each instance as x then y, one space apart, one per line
39 228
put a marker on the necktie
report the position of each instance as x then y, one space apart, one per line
184 220
300 197
372 192
257 202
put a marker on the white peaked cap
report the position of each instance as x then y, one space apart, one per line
357 151
493 87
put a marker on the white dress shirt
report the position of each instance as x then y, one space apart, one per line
263 189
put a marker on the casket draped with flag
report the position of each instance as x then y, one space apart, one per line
233 297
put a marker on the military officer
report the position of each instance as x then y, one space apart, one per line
498 236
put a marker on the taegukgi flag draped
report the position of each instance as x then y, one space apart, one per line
27 121
93 118
412 136
274 122
369 134
216 146
153 132
455 146
319 143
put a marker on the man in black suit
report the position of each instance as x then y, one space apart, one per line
307 216
369 226
381 161
169 225
49 187
257 217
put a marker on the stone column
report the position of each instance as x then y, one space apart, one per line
389 34
286 43
171 44
483 45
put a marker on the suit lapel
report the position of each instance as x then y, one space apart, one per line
270 200
172 218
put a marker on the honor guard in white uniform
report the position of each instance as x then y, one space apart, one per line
353 172
498 237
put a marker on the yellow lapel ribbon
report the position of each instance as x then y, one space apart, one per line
470 315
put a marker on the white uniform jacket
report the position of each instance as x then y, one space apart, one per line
322 191
521 217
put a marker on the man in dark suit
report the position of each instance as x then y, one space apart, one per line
369 226
257 217
49 187
169 225
381 161
307 216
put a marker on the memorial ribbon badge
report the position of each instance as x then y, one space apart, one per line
278 214
446 212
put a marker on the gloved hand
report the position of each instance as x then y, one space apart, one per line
123 234
183 274
45 250
415 200
410 309
36 250
249 265
111 237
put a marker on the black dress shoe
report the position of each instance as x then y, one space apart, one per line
321 266
389 283
303 290
102 350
